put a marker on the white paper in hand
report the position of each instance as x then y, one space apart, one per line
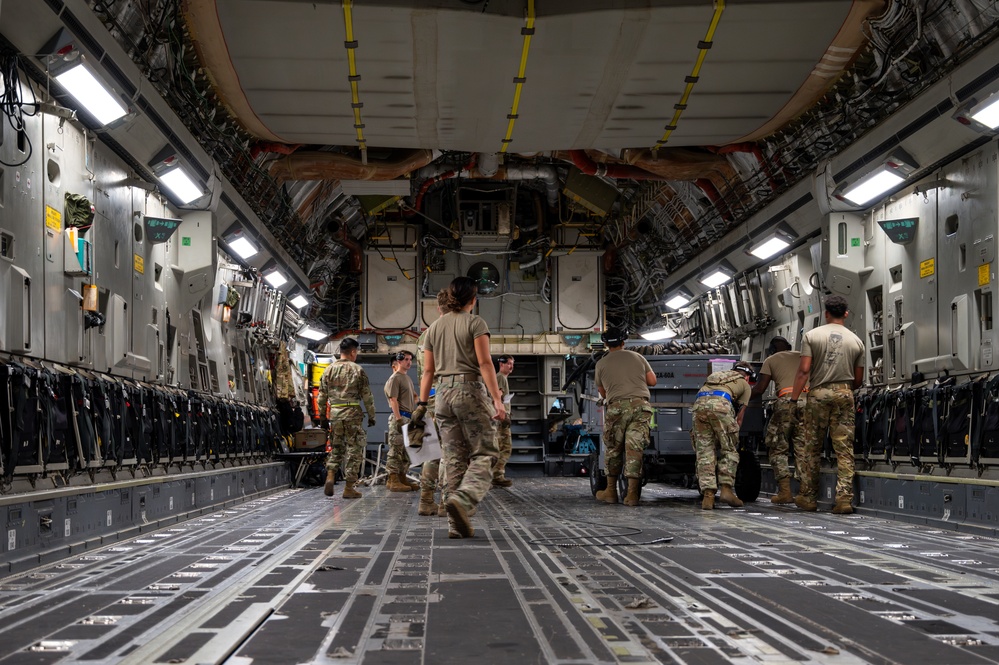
507 399
431 448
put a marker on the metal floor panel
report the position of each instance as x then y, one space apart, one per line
551 576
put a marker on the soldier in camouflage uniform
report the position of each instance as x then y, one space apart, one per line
343 386
781 365
400 394
504 443
717 416
456 354
623 379
832 362
432 476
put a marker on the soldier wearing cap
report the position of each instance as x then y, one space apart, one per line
401 397
623 379
784 427
717 417
504 442
344 386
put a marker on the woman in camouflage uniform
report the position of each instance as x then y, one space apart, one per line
456 354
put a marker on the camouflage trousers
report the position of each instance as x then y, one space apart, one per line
627 423
504 444
468 439
432 475
715 436
347 441
829 408
396 461
784 429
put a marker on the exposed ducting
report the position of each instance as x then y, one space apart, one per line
473 171
337 166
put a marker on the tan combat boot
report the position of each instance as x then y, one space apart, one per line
634 487
843 507
784 492
708 502
328 488
415 484
348 490
459 517
609 495
442 508
728 497
501 481
427 505
395 484
806 504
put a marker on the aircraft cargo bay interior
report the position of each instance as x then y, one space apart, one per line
406 331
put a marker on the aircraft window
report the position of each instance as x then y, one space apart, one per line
951 225
842 243
962 257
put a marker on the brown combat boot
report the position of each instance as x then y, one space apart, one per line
395 484
415 484
501 481
328 488
459 515
784 492
442 508
708 502
349 492
609 495
427 505
806 504
728 497
634 487
843 507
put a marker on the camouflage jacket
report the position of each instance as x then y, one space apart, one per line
345 382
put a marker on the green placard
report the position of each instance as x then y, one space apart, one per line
159 229
854 242
900 231
186 241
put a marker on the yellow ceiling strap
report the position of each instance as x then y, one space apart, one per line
353 77
702 53
527 31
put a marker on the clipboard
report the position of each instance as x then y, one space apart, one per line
431 448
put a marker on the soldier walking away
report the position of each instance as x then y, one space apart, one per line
456 355
343 386
832 363
504 443
785 426
717 417
401 398
623 379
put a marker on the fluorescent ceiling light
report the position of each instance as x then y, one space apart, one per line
178 182
275 278
715 278
299 301
873 186
657 334
91 94
243 247
988 114
312 333
677 301
769 247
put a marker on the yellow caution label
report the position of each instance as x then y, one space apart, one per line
53 218
597 623
984 274
139 264
927 268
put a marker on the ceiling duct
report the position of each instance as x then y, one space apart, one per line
306 165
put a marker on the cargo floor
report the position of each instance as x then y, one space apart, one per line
551 576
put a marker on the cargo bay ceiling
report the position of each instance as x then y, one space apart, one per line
661 125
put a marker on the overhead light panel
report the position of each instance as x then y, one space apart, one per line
659 333
314 334
777 241
717 276
680 299
84 86
236 240
980 116
297 299
884 178
181 184
273 275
